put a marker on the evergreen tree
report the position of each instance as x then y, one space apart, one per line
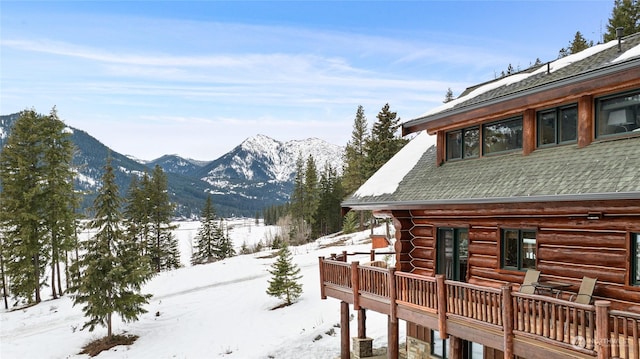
578 44
383 143
136 211
112 267
328 214
162 247
284 278
297 197
22 199
224 246
205 245
59 196
625 14
355 171
448 96
311 195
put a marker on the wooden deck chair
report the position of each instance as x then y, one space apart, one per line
585 292
530 277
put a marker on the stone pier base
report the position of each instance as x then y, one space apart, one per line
418 349
362 347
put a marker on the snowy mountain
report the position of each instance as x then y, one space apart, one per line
256 174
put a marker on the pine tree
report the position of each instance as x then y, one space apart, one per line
297 196
625 14
224 246
448 96
136 211
284 278
22 199
205 246
328 214
578 44
311 195
59 196
162 246
112 267
355 171
383 143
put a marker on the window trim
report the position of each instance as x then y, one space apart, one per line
558 131
461 147
635 260
598 114
484 136
519 265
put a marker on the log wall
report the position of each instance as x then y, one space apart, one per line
569 246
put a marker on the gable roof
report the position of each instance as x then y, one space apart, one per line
597 61
603 170
600 171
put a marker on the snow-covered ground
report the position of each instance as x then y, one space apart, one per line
208 311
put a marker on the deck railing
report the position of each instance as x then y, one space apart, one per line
594 330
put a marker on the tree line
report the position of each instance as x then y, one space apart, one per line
314 208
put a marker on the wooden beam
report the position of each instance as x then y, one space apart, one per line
362 323
355 284
602 329
345 349
442 306
455 348
528 132
507 321
586 119
323 295
393 339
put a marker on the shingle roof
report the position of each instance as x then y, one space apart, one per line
608 169
537 78
602 170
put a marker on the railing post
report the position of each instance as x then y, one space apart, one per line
321 267
392 294
507 320
373 255
442 306
344 256
603 335
355 283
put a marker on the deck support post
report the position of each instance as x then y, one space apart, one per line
392 326
362 323
455 347
392 338
507 320
602 329
345 350
442 306
321 267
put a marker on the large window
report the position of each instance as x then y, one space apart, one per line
463 143
557 126
635 259
502 136
518 249
618 114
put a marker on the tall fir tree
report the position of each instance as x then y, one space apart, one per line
162 246
328 215
205 249
355 171
297 196
625 14
25 246
311 195
578 44
136 211
383 142
448 96
60 199
113 271
285 276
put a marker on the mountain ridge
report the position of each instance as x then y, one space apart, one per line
255 174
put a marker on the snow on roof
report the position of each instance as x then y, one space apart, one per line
389 176
553 66
631 53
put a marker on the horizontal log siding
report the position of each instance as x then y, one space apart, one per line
569 246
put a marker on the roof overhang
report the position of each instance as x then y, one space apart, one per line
571 86
418 204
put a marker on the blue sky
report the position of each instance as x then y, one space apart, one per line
149 78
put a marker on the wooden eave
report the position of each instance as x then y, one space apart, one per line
601 82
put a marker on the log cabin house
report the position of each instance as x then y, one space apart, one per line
536 170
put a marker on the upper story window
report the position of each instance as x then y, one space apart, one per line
463 143
502 136
619 114
558 125
518 249
635 259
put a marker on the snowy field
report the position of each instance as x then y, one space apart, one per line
218 310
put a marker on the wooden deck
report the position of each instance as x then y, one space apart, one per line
518 324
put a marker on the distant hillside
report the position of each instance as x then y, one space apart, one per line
255 174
